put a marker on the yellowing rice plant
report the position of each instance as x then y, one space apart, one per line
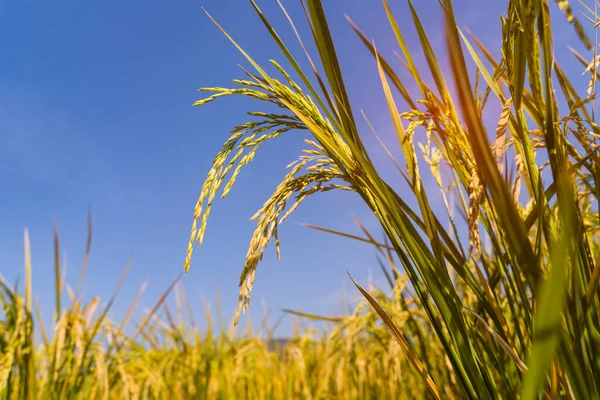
495 296
516 319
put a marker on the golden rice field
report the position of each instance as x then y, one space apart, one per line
88 355
494 296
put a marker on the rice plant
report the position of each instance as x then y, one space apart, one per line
516 318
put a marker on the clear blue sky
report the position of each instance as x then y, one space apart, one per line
95 110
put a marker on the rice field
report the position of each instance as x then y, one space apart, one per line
87 355
494 296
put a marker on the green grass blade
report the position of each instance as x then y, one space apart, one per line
401 341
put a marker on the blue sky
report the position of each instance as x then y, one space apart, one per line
95 111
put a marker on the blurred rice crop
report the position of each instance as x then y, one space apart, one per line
86 355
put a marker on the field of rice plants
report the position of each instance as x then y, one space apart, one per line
87 355
493 296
